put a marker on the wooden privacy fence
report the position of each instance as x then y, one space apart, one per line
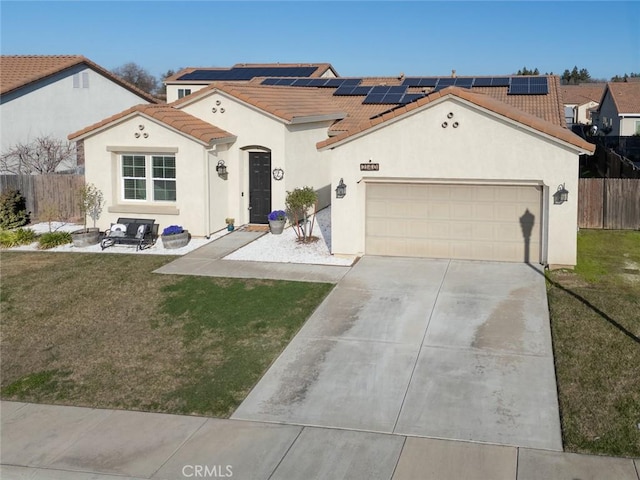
51 196
609 203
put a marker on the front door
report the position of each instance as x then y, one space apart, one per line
259 186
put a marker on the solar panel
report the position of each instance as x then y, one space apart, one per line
334 82
301 82
464 82
482 81
445 82
528 86
411 97
500 82
270 81
317 82
374 98
420 81
286 81
393 98
247 73
352 90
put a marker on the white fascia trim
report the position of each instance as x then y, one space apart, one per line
318 118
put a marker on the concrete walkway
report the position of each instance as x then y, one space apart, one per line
208 261
72 443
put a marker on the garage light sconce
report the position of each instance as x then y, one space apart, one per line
561 195
341 189
221 168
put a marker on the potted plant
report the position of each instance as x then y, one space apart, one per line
90 202
230 221
277 219
174 236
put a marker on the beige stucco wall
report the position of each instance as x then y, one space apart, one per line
103 151
292 147
483 148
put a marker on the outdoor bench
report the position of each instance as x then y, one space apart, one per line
139 232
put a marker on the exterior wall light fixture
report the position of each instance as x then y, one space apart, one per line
561 195
341 189
221 168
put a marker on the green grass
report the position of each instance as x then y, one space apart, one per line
595 320
104 331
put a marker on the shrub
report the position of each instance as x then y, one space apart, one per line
53 239
14 238
299 203
13 209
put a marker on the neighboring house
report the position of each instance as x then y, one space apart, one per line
619 111
462 167
54 95
190 80
580 101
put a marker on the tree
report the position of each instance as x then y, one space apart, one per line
575 76
526 71
299 203
43 155
138 76
90 201
161 90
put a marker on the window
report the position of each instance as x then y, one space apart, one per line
637 128
183 92
160 169
164 178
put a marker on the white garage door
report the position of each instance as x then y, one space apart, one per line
475 222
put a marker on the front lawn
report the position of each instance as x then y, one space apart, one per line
103 331
595 320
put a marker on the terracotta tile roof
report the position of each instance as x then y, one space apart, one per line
481 100
626 96
17 71
287 103
583 93
177 119
321 69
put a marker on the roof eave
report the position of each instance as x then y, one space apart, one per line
318 118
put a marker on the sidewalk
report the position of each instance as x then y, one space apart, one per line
56 442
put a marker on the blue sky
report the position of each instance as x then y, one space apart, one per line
357 38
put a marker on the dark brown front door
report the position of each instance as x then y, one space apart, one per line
259 186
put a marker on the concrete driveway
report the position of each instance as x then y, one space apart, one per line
434 348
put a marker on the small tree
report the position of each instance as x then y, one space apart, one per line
90 201
13 209
299 203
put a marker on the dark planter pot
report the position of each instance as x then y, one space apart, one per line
230 228
177 240
276 226
85 238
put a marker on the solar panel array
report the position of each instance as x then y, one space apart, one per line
247 73
399 94
528 86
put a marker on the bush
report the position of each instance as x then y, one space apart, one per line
172 230
53 239
14 238
13 209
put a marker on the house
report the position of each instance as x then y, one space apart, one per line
580 101
465 167
53 95
192 79
619 111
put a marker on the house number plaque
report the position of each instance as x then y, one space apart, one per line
369 167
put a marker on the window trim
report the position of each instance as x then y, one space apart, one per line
148 178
